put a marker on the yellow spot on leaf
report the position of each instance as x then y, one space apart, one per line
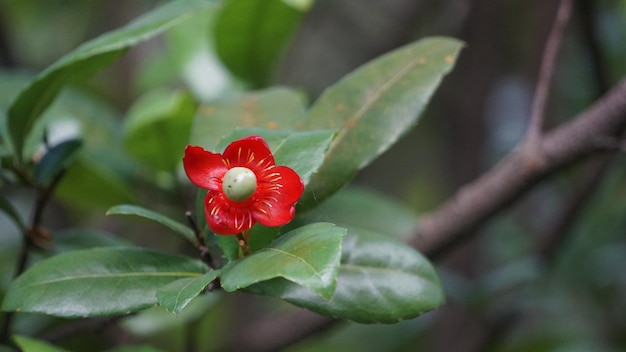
272 125
351 122
448 59
339 107
422 61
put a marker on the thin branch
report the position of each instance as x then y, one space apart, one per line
584 188
546 71
205 254
31 237
524 167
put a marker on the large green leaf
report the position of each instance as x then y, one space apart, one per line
86 60
127 209
308 256
380 280
250 35
175 296
374 106
27 344
302 151
97 282
276 108
359 207
157 128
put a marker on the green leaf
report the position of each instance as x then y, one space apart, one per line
302 151
12 213
250 35
157 128
85 61
126 209
275 108
27 344
55 160
308 256
175 296
97 282
359 207
229 246
374 106
380 280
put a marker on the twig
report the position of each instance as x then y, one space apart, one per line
205 254
32 236
499 187
584 188
546 72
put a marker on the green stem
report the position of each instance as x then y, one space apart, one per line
243 244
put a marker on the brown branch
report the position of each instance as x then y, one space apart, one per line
524 167
546 71
584 188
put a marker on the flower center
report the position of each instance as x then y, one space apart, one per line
239 184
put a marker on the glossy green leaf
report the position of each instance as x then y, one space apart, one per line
229 246
308 256
27 344
359 207
302 151
157 128
175 296
276 108
127 209
12 213
86 60
55 160
380 280
97 282
250 35
374 106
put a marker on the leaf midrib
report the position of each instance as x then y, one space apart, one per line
115 275
358 115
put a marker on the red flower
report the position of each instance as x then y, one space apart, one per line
245 186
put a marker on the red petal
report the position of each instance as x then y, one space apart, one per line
204 168
278 191
277 215
251 152
224 217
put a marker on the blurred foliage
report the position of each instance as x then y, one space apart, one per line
574 301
